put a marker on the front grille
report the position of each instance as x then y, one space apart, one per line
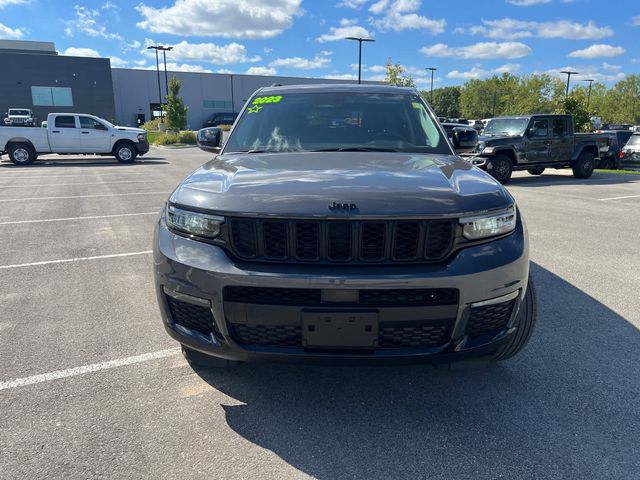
488 319
267 335
311 297
413 335
352 241
191 316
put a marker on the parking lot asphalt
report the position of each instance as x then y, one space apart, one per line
92 387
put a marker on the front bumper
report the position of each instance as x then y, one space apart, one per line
194 276
475 159
142 147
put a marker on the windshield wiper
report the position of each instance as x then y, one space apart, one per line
355 149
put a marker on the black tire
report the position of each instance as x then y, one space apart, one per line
583 166
200 360
125 152
22 153
525 325
500 168
536 170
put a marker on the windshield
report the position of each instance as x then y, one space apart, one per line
337 121
20 112
634 141
509 126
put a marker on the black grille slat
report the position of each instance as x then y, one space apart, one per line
372 240
491 318
335 240
273 296
408 297
272 335
194 317
414 335
274 238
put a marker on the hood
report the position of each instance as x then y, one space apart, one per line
305 184
498 139
130 129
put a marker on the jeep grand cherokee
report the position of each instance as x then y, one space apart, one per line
336 223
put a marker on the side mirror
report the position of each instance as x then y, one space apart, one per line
210 139
464 139
529 132
99 126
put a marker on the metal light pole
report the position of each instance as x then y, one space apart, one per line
568 73
164 56
433 69
155 47
360 40
589 94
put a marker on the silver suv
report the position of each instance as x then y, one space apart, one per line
336 224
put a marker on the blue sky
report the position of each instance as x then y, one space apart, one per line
464 39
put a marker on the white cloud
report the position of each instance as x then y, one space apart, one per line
10 33
527 3
351 3
206 52
587 72
598 50
81 52
635 21
118 62
4 3
347 28
612 68
483 50
87 22
261 71
135 44
222 18
175 67
511 29
319 61
479 72
401 15
341 76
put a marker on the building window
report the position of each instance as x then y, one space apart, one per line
52 96
216 104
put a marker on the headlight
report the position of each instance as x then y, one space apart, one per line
490 225
142 137
194 223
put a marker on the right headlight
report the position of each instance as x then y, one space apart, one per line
194 223
489 225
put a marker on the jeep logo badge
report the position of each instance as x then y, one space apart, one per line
342 207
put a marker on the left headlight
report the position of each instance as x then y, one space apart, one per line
489 225
142 137
194 223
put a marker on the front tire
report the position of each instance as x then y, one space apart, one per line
201 360
525 325
22 153
125 152
583 167
500 168
536 171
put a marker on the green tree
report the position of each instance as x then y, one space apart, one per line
446 101
396 75
576 104
176 117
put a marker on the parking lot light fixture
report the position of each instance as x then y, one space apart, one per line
568 73
360 40
156 48
589 94
433 69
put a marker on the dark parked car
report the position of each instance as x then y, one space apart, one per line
336 224
630 154
221 118
610 155
534 143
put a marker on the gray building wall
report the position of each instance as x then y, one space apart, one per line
136 90
89 79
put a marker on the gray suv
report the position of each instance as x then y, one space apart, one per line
336 224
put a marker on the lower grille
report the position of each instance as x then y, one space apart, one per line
191 316
312 297
491 318
413 335
267 335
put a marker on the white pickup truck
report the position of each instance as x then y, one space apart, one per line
73 133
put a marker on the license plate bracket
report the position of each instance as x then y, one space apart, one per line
340 329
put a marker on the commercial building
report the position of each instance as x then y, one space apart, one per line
35 76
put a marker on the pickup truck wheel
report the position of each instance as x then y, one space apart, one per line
201 360
525 324
500 168
536 171
583 166
22 153
125 152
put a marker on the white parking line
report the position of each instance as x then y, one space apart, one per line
87 175
72 184
71 260
618 198
80 196
76 218
95 367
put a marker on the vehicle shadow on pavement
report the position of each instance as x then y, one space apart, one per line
82 162
550 179
567 407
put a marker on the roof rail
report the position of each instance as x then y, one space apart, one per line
276 85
